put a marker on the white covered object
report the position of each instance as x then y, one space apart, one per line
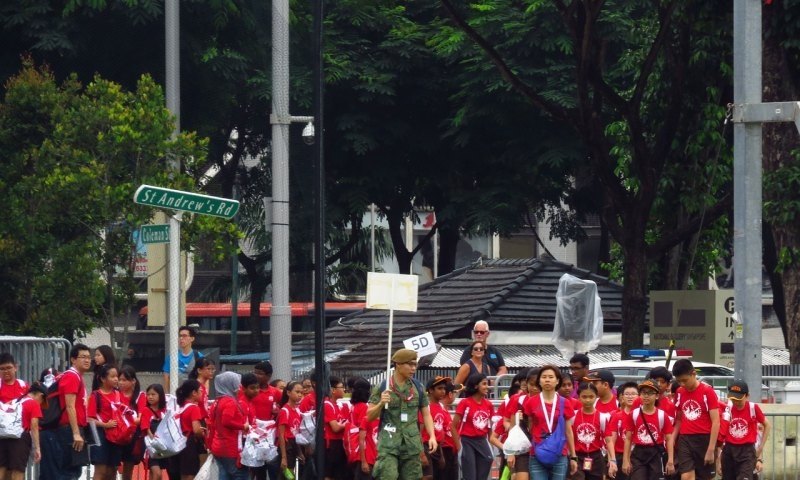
579 319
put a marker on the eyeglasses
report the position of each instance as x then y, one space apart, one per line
480 332
647 393
479 349
84 357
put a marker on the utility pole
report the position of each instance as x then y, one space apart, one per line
748 115
173 89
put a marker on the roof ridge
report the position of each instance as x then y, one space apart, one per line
513 287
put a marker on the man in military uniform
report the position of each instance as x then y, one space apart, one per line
399 441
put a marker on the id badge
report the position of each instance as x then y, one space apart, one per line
587 463
403 417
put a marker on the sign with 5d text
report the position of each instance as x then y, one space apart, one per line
422 344
186 201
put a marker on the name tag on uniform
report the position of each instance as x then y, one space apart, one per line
403 417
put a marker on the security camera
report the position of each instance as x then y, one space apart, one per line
308 133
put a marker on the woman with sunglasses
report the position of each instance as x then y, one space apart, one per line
475 364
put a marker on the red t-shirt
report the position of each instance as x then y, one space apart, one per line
574 403
12 391
229 420
103 412
694 407
664 403
476 418
589 430
190 413
371 438
290 418
610 407
147 418
203 402
30 410
309 402
71 383
265 403
639 434
536 418
500 431
441 422
334 411
740 427
512 405
617 425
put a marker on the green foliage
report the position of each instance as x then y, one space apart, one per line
73 157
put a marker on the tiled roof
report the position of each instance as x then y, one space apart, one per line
509 294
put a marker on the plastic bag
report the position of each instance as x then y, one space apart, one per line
205 470
579 318
11 418
168 440
249 455
517 443
307 430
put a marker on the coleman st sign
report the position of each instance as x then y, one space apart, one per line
158 233
186 201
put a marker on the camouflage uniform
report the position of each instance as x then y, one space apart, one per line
399 441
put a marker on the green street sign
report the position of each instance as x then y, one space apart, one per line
154 233
186 201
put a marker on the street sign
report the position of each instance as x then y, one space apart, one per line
154 233
186 201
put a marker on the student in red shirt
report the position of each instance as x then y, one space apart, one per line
452 442
543 412
589 431
14 452
11 387
107 456
520 464
433 462
186 464
229 424
473 420
203 371
742 453
567 390
151 416
309 401
266 402
626 394
649 429
289 418
603 381
696 424
335 417
134 399
363 430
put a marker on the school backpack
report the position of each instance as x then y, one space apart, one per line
125 417
169 440
52 414
11 418
351 439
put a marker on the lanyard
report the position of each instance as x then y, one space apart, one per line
392 386
549 421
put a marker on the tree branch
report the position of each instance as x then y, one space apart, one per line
691 227
505 71
355 230
425 239
652 55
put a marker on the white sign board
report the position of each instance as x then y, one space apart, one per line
422 344
392 291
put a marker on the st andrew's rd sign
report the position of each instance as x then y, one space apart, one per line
186 201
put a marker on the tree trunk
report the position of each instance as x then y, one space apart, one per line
258 284
780 140
775 279
401 253
634 294
448 247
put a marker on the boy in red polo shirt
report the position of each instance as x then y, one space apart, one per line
11 387
740 455
696 423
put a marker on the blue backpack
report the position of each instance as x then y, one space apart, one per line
549 451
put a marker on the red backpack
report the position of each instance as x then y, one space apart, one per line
126 427
351 432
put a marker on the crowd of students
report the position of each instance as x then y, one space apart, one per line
668 424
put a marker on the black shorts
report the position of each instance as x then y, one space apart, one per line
14 452
336 460
646 463
188 461
106 453
738 461
598 469
522 463
690 453
134 452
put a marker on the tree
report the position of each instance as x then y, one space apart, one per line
781 161
73 157
627 78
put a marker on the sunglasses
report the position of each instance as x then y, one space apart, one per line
479 349
480 332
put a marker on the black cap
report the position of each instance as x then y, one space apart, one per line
738 389
602 375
